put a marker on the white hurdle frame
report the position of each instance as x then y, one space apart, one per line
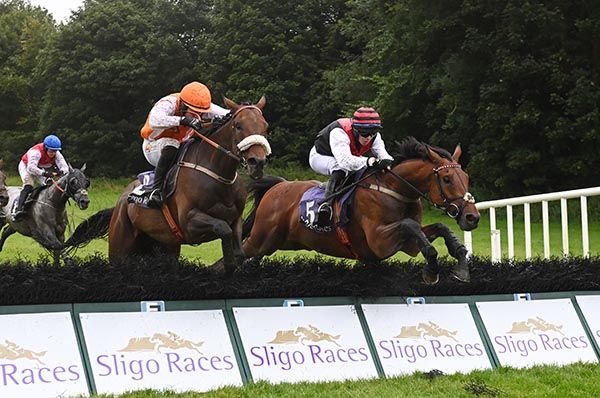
526 201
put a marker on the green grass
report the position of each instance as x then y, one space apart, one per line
578 380
104 193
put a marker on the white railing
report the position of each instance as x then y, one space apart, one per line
526 201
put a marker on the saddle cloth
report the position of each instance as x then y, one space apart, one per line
313 197
140 194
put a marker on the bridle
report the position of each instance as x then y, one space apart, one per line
68 190
244 144
448 204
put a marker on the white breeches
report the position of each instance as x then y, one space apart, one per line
152 148
322 164
28 178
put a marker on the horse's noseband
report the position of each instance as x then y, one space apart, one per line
253 139
73 191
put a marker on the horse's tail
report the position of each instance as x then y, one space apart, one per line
258 189
92 228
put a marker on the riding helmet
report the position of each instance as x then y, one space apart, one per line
196 96
52 142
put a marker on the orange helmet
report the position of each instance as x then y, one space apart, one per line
196 96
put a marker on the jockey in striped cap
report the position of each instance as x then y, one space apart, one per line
339 149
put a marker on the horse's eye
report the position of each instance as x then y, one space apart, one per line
87 184
238 126
447 179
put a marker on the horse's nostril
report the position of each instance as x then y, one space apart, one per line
472 218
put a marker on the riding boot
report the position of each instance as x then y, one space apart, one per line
19 211
325 212
167 155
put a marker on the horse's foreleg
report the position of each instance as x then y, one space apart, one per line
238 252
455 248
411 229
6 232
203 224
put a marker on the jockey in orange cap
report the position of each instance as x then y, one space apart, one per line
339 148
168 124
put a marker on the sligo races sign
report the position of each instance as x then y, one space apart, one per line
39 356
589 307
291 344
423 337
179 350
527 333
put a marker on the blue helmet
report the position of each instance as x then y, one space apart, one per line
52 142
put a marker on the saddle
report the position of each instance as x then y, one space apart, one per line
140 194
28 200
313 197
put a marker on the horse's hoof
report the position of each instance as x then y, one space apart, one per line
460 271
461 275
430 278
218 267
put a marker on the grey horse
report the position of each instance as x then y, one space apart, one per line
46 218
3 190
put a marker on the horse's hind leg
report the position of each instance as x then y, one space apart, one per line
455 248
410 229
6 232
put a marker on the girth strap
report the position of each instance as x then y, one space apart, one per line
341 231
172 223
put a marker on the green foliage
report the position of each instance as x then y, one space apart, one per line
24 33
109 64
515 82
279 49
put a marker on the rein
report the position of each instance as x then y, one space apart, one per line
219 147
448 202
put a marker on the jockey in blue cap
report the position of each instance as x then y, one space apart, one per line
35 166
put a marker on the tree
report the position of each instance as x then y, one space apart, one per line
108 66
280 49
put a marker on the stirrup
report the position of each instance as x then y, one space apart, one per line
155 199
324 213
18 214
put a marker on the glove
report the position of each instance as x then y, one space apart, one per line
48 174
196 124
380 164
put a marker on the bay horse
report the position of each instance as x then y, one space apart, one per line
46 219
208 199
385 215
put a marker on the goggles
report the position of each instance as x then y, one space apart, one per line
367 132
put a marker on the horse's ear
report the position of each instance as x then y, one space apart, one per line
1 163
457 153
433 156
70 167
230 104
82 169
261 103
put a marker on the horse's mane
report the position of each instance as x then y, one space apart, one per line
411 148
218 122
